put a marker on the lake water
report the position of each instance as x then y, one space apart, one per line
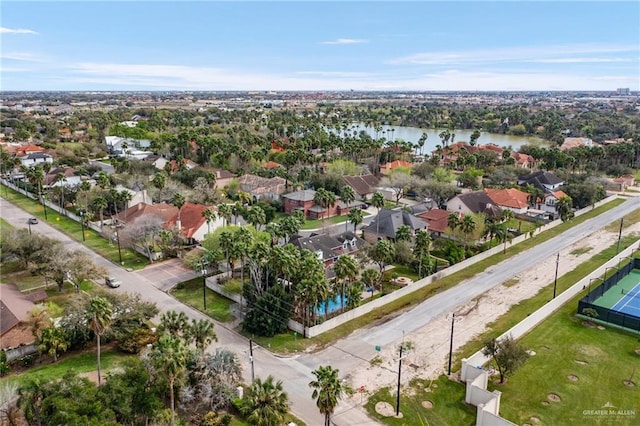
413 134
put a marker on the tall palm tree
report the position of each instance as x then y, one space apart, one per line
355 217
169 357
225 211
176 324
382 253
346 269
325 199
377 201
61 179
421 248
467 226
347 195
209 215
403 233
564 207
266 403
100 315
327 391
201 332
453 222
100 203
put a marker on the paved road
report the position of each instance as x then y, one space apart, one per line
354 351
151 283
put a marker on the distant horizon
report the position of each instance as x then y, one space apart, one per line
321 91
320 46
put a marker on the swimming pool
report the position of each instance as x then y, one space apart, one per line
334 304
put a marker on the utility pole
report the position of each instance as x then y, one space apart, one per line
251 360
619 235
399 375
555 281
203 267
82 224
453 319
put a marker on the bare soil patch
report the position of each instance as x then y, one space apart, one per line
628 383
554 397
572 377
385 409
427 404
545 403
581 362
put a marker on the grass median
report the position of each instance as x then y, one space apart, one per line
190 293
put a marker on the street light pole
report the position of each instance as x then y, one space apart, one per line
29 223
82 224
251 360
204 285
619 235
555 281
118 241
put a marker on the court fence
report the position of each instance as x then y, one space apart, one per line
600 313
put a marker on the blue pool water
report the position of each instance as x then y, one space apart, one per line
334 305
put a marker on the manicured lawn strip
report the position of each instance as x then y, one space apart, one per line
628 220
80 363
190 293
446 396
73 229
318 223
4 225
288 342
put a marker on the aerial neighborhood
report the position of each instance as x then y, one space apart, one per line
303 217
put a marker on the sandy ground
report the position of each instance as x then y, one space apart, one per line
429 356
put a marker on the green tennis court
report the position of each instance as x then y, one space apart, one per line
624 296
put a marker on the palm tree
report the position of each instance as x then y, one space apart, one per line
62 179
467 226
403 233
178 200
347 195
100 315
53 340
346 269
209 215
377 201
382 253
32 392
564 207
355 216
201 332
176 324
421 248
327 390
491 229
256 216
225 211
325 199
169 357
453 221
100 203
266 403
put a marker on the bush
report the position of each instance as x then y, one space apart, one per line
4 366
27 361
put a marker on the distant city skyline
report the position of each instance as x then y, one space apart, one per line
320 45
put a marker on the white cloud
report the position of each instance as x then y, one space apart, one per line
578 60
178 77
4 30
20 56
548 54
345 41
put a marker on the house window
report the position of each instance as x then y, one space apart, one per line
551 202
344 245
353 242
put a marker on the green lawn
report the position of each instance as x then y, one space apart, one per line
81 363
190 293
316 223
446 396
559 343
130 259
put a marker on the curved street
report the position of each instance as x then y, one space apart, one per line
350 353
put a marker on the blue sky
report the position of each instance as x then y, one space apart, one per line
319 45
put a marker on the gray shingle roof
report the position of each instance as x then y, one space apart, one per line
391 220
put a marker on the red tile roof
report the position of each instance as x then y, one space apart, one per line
163 210
437 219
513 198
191 218
397 163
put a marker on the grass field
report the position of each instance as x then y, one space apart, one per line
190 293
81 363
316 224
